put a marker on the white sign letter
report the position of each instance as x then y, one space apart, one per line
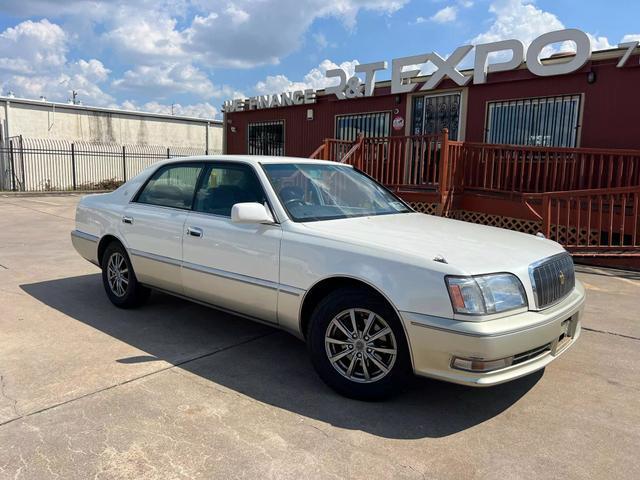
338 90
582 56
447 68
309 96
370 69
630 46
398 76
481 65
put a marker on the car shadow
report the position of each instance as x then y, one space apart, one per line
268 365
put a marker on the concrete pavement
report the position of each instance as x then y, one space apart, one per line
176 390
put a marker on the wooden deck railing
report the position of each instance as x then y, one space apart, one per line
588 222
587 199
332 149
517 169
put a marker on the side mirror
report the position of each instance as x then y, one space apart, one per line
251 213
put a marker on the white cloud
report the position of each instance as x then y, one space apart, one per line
268 33
523 20
201 110
171 78
465 3
314 79
633 37
33 63
321 40
599 43
237 15
31 47
445 15
140 37
420 20
164 48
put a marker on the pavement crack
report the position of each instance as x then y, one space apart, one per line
39 211
3 393
131 380
595 330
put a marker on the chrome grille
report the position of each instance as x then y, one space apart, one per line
552 279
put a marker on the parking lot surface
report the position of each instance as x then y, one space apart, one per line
175 390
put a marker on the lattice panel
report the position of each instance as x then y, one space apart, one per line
510 223
569 236
423 207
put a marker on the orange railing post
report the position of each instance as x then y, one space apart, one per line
354 152
546 215
443 181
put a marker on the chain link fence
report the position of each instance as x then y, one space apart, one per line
42 165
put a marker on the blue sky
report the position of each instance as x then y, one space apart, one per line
194 54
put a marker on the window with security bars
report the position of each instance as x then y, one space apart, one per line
546 122
376 124
266 138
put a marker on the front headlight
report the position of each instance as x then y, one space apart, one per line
486 294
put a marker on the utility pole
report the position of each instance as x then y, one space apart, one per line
74 98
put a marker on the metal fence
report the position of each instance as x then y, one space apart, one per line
40 165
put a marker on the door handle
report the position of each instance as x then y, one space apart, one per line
194 231
128 220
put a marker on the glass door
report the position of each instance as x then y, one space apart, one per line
432 113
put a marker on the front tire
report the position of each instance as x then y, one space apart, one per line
358 346
119 279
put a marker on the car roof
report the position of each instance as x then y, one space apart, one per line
252 159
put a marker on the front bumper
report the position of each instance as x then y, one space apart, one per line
533 338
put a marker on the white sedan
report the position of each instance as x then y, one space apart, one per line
322 251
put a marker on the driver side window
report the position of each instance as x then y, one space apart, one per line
224 185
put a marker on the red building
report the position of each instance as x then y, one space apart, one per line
558 154
596 106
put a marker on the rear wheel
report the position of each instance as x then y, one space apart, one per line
358 346
119 279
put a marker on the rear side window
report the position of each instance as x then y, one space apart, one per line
224 185
171 186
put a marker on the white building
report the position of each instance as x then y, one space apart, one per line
57 146
42 119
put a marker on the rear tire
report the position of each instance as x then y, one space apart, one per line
357 345
119 279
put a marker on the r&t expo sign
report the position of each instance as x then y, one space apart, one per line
401 79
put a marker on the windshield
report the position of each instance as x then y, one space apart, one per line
311 192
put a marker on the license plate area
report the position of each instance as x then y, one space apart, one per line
566 334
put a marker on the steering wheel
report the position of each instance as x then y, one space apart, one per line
296 201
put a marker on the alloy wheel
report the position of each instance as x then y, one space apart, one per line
361 345
118 274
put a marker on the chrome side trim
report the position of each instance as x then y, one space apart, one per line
295 291
153 256
230 275
288 289
84 236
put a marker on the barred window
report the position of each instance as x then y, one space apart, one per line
548 122
376 124
266 138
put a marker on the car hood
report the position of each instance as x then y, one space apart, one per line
467 247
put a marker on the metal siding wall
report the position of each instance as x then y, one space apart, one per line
303 136
608 120
610 105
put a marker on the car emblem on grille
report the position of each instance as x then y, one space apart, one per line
561 277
